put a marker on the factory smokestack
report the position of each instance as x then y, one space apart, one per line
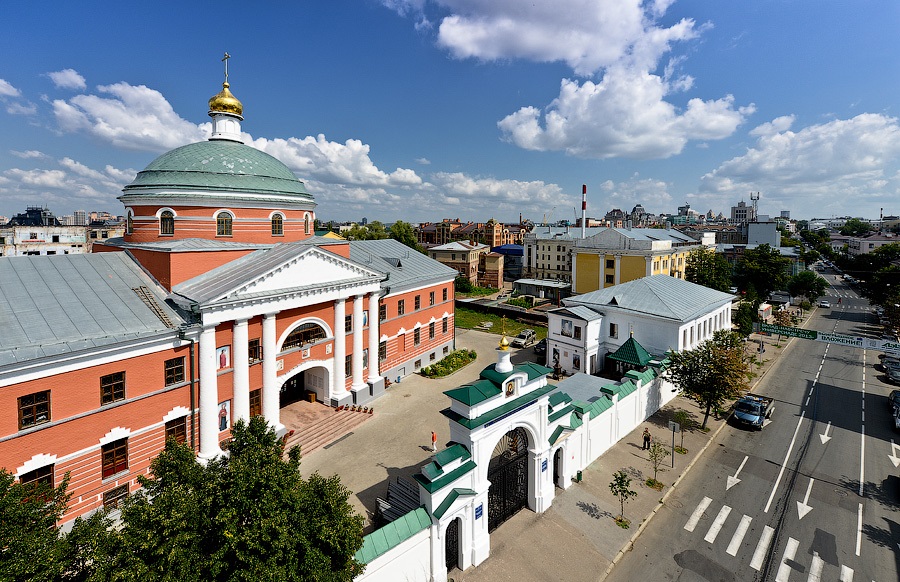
583 208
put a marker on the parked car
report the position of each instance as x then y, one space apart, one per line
824 303
525 338
894 400
540 348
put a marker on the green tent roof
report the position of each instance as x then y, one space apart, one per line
631 352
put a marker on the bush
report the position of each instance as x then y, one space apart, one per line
451 363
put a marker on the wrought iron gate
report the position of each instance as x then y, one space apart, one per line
508 474
451 545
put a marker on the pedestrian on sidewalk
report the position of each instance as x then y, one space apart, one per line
433 441
646 439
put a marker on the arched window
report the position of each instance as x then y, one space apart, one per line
306 223
166 223
306 333
277 225
129 223
223 224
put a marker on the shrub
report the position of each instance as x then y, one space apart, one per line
451 363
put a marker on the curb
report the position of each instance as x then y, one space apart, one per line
630 544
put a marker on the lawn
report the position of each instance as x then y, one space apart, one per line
469 319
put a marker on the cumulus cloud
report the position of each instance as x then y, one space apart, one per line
7 90
67 79
129 117
28 155
818 167
652 194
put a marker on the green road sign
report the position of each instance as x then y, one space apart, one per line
788 331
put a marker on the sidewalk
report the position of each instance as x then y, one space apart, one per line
579 526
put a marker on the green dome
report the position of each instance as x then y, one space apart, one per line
218 166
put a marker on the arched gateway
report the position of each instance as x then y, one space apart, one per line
508 474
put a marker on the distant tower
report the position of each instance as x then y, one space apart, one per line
754 197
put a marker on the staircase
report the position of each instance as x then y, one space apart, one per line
324 430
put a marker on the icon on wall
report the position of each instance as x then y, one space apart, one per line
223 357
224 415
566 329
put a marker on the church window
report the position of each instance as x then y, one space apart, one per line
306 333
256 402
401 307
614 330
431 298
431 330
112 387
277 225
348 323
254 350
382 312
610 279
382 351
444 325
167 223
34 409
115 457
348 365
306 223
174 371
129 223
445 293
417 336
418 302
177 429
223 224
113 497
40 476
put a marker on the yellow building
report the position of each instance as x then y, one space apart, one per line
619 255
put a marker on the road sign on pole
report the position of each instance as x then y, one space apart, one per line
675 428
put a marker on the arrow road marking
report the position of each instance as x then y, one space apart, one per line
893 456
825 438
803 508
732 481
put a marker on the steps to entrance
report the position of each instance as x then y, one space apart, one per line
324 429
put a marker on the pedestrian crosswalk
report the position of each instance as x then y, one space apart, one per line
720 527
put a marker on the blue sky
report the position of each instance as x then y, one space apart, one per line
425 109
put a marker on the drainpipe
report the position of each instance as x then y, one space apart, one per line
193 392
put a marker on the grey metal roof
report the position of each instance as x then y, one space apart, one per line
59 304
185 245
582 312
583 387
659 295
405 267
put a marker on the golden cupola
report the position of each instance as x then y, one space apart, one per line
226 112
225 102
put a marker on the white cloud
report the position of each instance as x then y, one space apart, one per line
67 79
652 194
21 109
820 167
7 90
133 117
423 161
625 115
28 155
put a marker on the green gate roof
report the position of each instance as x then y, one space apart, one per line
631 352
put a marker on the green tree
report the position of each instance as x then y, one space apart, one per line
403 232
761 270
245 516
807 284
463 285
657 455
855 227
708 268
620 486
744 316
713 372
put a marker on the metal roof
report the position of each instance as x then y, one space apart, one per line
58 304
659 295
406 268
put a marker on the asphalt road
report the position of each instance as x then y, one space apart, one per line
813 496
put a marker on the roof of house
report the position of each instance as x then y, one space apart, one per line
631 352
460 246
58 304
405 268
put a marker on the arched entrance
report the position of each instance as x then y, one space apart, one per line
508 474
451 545
557 466
313 379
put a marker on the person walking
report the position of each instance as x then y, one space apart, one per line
433 441
646 439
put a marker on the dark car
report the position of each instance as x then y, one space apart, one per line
894 400
540 348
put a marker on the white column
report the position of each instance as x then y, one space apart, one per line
338 380
241 364
373 338
270 396
209 396
618 276
358 382
602 282
649 261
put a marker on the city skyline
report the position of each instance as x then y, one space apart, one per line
419 110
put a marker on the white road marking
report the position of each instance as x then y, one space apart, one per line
762 548
846 574
698 513
738 536
815 568
784 463
784 570
717 524
859 524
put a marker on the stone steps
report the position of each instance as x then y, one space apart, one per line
329 428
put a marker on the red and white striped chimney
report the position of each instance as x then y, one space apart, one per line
583 208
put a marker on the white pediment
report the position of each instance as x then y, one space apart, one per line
312 268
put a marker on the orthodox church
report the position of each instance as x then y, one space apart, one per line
219 303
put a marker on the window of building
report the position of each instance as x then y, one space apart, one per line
444 325
610 279
418 364
401 307
223 224
610 263
431 298
40 476
93 234
306 223
115 457
277 225
348 365
432 357
446 350
34 409
112 387
256 402
303 334
382 351
365 358
115 496
431 330
174 370
254 350
56 238
417 336
418 302
129 224
382 312
166 223
613 330
577 334
348 323
452 256
32 236
177 429
444 293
